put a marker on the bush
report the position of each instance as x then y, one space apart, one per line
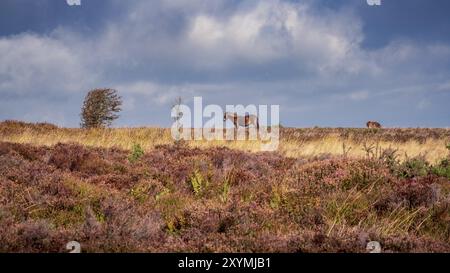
416 192
443 169
136 153
100 107
413 167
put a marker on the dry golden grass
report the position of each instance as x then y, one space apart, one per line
432 150
430 143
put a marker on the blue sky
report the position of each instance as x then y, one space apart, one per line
332 63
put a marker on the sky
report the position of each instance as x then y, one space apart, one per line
327 63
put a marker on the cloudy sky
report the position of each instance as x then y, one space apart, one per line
325 62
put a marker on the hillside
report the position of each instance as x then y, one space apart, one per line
176 198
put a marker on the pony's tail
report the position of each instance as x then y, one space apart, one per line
257 123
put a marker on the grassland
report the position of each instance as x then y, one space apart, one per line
134 190
296 143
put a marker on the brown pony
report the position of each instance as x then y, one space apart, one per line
243 121
373 125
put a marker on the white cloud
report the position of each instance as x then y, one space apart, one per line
30 64
206 32
155 93
272 30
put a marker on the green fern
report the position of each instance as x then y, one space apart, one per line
136 153
225 191
197 182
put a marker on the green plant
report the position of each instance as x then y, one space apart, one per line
198 182
136 153
96 209
443 169
275 200
163 193
61 217
140 192
100 108
172 207
225 191
413 167
349 207
390 157
357 178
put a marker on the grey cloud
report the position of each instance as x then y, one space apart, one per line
272 52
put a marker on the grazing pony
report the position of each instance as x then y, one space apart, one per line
373 125
243 121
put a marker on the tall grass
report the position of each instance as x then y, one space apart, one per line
297 143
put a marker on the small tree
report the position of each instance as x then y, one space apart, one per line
100 108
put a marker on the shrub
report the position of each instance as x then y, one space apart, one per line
100 107
413 167
443 169
76 158
416 192
136 153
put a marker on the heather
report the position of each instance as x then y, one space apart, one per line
177 198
